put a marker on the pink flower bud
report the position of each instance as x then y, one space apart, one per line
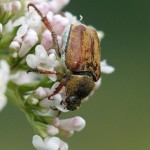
16 6
47 40
71 124
59 23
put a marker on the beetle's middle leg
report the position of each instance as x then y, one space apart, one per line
49 27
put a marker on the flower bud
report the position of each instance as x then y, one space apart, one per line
16 6
14 46
47 40
59 23
52 130
71 124
40 93
22 30
30 40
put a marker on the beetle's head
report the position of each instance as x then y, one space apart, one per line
77 88
72 102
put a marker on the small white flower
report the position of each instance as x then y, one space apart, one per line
31 19
41 60
72 124
22 77
105 68
49 143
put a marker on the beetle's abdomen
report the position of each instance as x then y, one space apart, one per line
82 50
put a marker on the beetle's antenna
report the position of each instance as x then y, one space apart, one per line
49 27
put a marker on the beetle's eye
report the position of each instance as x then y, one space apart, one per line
73 102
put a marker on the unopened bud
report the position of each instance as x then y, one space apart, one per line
71 124
16 6
15 46
47 40
30 40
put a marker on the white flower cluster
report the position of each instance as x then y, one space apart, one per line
4 77
32 48
66 126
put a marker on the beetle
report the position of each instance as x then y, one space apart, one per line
80 53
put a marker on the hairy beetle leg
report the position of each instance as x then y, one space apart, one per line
49 27
57 89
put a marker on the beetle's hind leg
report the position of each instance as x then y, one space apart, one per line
49 27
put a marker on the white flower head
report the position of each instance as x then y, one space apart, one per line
41 60
49 143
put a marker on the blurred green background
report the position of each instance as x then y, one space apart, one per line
118 115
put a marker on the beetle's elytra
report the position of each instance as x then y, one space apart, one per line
80 53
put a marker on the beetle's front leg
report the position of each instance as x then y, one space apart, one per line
49 27
58 88
46 72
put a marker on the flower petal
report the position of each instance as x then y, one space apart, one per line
32 61
105 68
38 143
40 51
